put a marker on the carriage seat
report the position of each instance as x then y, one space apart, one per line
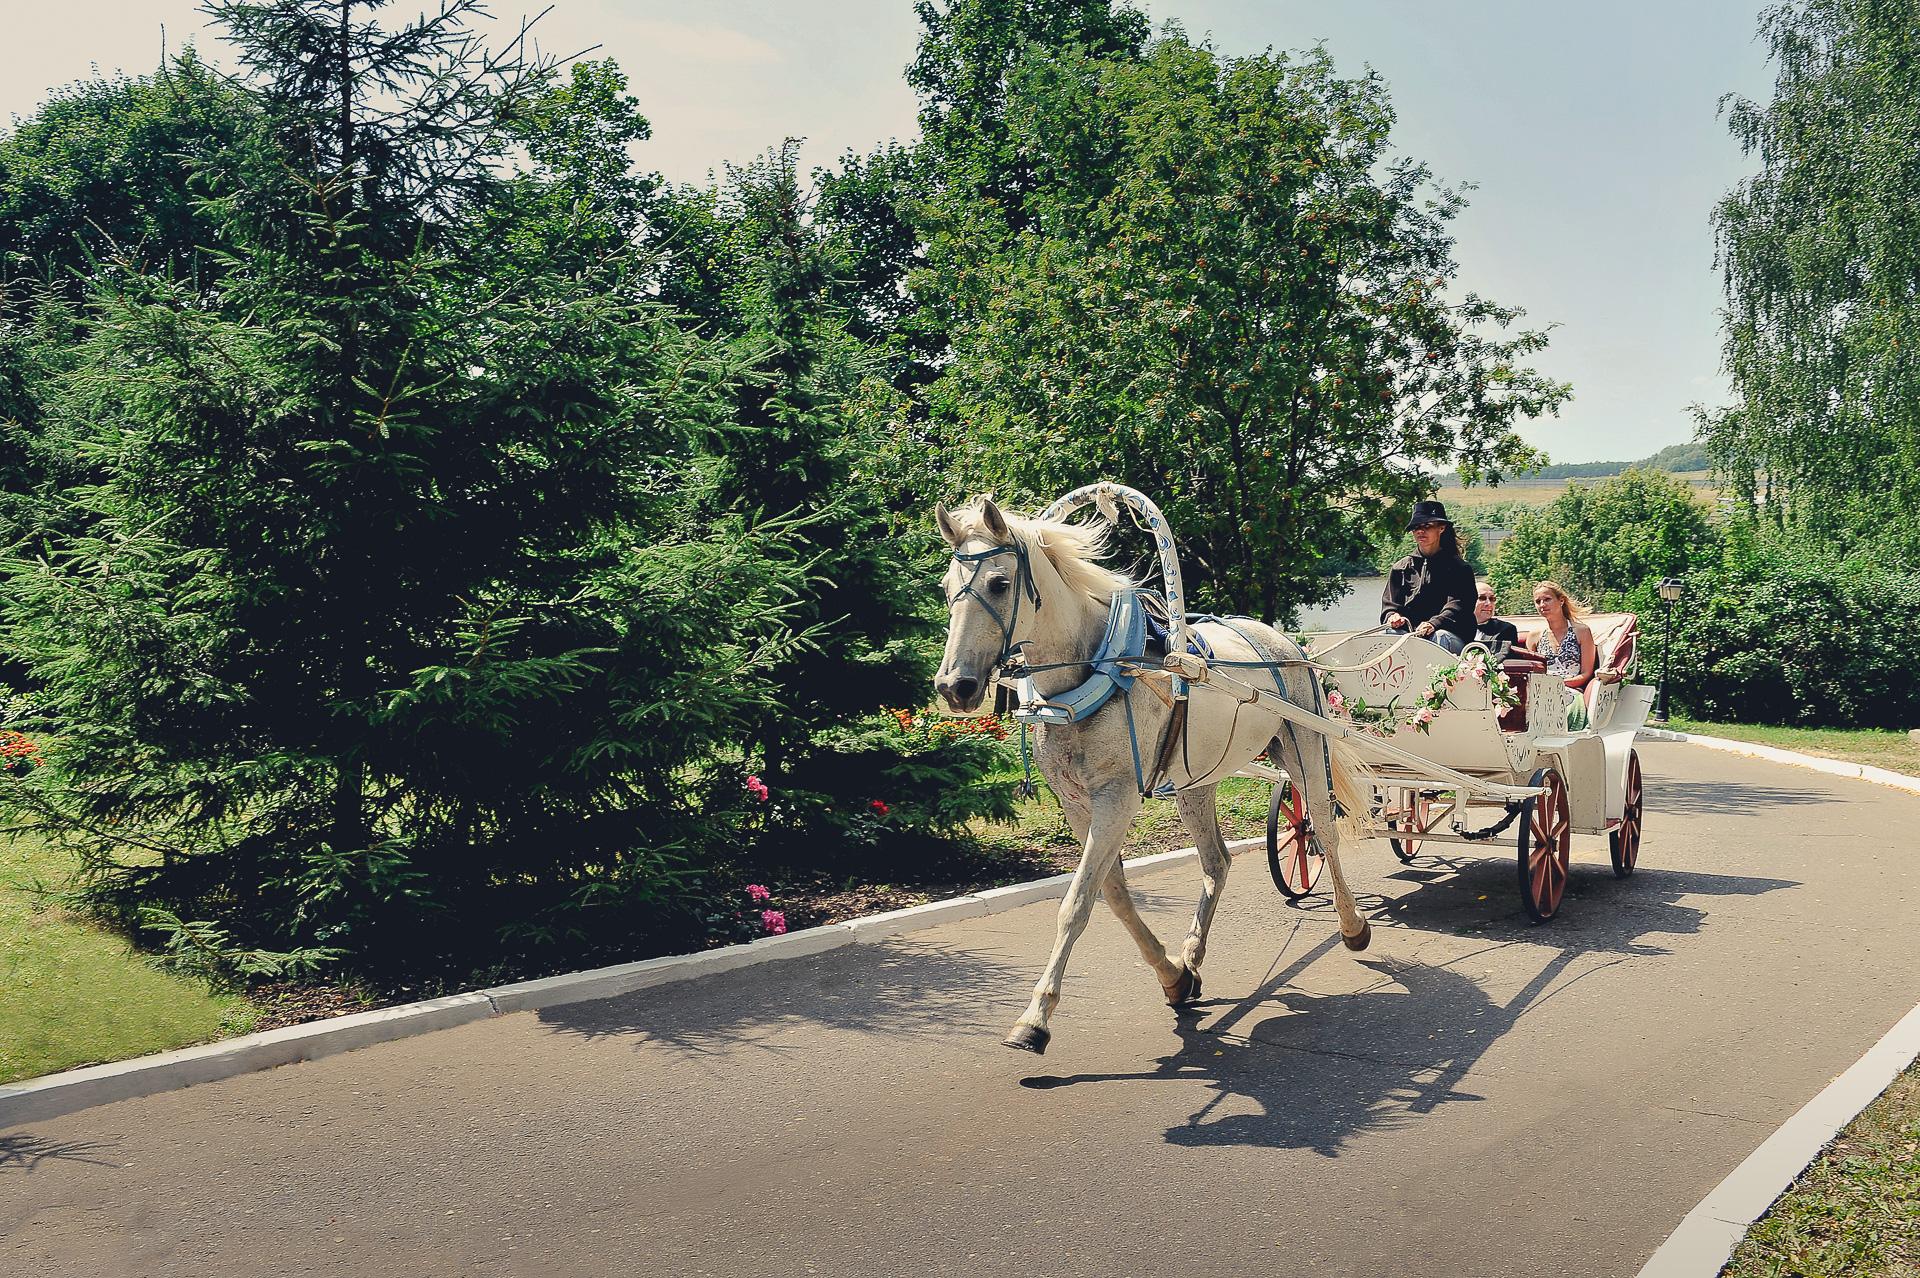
1616 640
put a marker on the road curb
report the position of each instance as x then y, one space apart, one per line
1710 1232
35 1100
1700 1246
1833 767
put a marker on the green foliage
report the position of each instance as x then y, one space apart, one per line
1776 625
1820 255
1608 543
1784 629
967 100
107 168
1226 292
396 616
1676 458
892 785
803 442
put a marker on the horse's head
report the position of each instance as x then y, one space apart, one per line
991 598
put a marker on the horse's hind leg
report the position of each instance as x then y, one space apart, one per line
1113 810
1202 820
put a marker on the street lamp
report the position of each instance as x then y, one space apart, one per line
1669 591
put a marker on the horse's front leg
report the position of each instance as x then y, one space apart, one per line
1166 967
1199 812
1113 810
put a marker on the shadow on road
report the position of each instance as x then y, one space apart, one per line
25 1153
906 986
1599 914
1727 798
1289 1068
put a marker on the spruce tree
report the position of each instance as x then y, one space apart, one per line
394 626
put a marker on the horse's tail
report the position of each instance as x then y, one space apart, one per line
1354 786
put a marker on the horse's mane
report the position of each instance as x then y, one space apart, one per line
1074 550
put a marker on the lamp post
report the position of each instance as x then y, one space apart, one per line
1669 591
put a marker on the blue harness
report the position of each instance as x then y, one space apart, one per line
1125 640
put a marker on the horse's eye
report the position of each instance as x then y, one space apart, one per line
997 586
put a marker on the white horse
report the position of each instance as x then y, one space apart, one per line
1036 589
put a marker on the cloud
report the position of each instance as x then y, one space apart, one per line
708 43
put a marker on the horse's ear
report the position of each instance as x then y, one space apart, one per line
948 528
996 523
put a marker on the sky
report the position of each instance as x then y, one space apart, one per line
1590 132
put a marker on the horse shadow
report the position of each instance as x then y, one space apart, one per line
1288 1068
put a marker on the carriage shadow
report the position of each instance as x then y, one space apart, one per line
1732 798
1287 1068
1479 896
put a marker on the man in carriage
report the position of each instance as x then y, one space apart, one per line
1432 590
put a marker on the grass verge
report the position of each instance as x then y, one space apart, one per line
72 994
1856 1210
1873 746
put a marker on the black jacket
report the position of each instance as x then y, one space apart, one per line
1440 590
1500 636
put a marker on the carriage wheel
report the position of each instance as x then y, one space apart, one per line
1416 818
1625 837
1293 854
1546 845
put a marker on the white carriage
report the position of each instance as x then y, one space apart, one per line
1474 767
1462 773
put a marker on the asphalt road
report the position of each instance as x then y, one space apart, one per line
1473 1096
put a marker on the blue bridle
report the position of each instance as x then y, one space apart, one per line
1022 584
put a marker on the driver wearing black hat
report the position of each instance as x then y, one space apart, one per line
1431 591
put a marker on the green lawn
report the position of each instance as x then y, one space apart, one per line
1855 1213
1880 749
1039 825
71 994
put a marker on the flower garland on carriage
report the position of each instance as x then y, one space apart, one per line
1477 666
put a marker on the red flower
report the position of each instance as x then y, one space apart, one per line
880 807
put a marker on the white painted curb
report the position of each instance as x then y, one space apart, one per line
1833 767
51 1095
1710 1232
1704 1240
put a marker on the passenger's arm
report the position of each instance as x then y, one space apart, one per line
1586 655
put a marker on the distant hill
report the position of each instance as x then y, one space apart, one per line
1677 458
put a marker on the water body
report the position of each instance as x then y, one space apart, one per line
1358 609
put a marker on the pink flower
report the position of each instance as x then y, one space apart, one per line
1336 702
880 807
775 921
757 788
757 892
1424 715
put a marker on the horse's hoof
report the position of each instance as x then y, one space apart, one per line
1184 990
1029 1038
1360 942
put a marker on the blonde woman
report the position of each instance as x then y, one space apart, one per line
1567 644
1567 640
